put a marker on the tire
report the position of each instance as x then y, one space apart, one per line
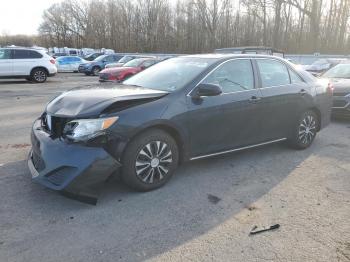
87 74
305 130
95 70
39 75
149 160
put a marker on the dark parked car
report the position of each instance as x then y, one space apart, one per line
92 56
339 78
95 66
184 108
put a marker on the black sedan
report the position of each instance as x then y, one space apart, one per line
339 78
182 109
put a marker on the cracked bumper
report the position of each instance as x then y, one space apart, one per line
68 167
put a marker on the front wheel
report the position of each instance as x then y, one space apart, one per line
149 160
305 130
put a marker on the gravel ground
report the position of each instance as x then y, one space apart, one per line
205 213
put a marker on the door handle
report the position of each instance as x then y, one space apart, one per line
254 99
303 92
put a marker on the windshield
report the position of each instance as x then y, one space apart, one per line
100 58
134 63
339 71
125 59
171 74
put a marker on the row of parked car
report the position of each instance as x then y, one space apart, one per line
36 65
110 67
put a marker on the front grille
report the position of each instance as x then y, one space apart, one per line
104 76
54 125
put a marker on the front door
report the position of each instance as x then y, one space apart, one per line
229 120
6 62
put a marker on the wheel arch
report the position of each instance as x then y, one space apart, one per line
39 67
174 132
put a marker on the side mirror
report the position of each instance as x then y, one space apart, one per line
207 90
143 67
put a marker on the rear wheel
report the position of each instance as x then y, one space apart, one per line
305 130
149 160
39 75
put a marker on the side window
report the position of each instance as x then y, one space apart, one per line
273 73
295 78
34 54
26 54
5 54
233 76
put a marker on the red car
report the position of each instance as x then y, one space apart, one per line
127 70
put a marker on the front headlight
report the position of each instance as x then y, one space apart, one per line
84 129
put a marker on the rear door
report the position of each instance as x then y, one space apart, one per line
284 97
24 61
229 120
6 62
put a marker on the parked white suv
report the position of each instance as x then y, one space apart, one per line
31 64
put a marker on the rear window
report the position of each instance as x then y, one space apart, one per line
26 54
273 73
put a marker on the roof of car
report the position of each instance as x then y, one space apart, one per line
227 56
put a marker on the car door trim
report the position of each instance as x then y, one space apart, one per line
238 149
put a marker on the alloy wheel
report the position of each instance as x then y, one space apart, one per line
307 129
153 162
39 76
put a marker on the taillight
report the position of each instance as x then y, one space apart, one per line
52 61
330 88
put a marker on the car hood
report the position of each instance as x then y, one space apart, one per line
115 69
94 100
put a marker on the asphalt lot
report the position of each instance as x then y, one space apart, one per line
205 213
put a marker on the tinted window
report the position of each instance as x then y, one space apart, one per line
233 76
26 54
5 54
273 73
295 78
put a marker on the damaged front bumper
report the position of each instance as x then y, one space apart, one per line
73 169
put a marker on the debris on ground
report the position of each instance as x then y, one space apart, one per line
255 231
213 199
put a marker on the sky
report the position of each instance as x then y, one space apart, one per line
22 16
